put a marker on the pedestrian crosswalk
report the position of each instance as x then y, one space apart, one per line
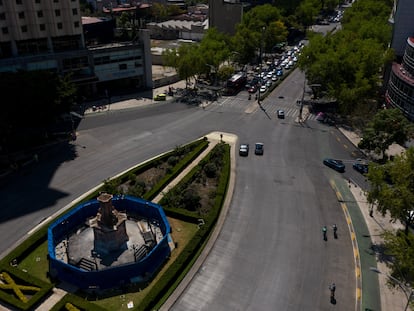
244 105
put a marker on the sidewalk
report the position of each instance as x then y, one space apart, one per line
138 99
391 298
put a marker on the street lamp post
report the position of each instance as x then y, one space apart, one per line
213 70
409 292
261 61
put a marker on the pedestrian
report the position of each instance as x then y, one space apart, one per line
332 288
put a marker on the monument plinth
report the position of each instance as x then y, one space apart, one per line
109 227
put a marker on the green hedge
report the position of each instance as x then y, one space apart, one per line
79 302
39 236
22 278
175 273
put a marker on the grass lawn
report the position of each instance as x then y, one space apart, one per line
36 263
182 232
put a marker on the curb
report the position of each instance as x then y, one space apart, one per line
358 277
220 222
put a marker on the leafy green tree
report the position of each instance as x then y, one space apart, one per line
159 11
261 26
124 22
186 60
401 247
392 188
214 49
205 57
347 63
308 11
23 122
387 127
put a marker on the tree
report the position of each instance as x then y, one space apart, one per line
347 63
159 11
401 247
205 57
24 122
308 11
261 25
387 127
186 60
214 49
392 188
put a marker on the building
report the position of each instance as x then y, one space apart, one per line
50 35
403 24
224 15
399 79
400 88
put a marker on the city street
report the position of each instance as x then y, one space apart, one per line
270 253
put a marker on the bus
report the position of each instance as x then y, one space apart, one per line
236 83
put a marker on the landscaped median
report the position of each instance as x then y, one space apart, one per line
193 206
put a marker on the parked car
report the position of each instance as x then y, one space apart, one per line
160 97
360 167
337 165
281 114
244 150
263 89
259 149
269 83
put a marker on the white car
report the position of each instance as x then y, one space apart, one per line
263 89
244 150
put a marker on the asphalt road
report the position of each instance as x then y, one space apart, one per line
270 253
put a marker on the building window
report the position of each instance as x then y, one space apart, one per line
2 16
24 28
5 30
42 27
21 15
39 13
123 66
76 24
74 11
57 12
18 1
59 25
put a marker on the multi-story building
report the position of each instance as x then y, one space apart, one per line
49 35
400 88
400 77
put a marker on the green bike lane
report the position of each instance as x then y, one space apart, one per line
352 201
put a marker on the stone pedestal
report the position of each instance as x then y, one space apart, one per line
109 227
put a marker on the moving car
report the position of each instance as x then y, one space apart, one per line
360 167
244 150
280 113
259 149
252 89
337 165
159 97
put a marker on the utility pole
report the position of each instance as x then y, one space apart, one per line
261 61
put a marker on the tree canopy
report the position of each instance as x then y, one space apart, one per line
46 95
348 63
387 127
